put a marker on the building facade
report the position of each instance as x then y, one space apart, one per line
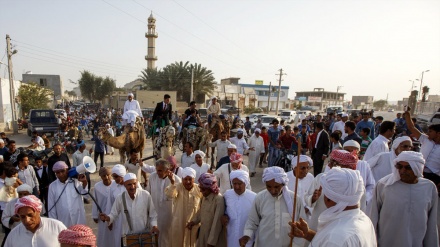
320 98
362 102
52 82
5 103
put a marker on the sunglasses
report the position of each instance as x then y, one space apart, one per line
400 166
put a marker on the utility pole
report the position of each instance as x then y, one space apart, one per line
268 97
11 84
191 98
279 89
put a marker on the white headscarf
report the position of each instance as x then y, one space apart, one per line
352 143
201 153
119 170
232 146
24 187
240 175
343 186
415 160
210 102
302 158
130 94
188 171
278 174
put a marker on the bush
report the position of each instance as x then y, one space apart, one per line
252 109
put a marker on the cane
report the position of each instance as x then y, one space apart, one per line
296 186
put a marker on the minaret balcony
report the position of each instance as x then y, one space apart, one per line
150 57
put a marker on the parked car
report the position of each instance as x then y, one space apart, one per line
391 110
255 116
203 113
288 116
42 121
267 120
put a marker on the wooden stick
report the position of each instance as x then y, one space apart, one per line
296 185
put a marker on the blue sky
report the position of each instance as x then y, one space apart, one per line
368 47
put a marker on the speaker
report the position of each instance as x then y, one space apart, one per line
88 165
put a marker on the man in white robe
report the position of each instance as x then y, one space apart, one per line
239 202
34 231
240 142
314 199
256 144
271 212
140 215
404 207
110 149
382 164
65 201
340 125
305 178
116 189
157 183
102 196
221 145
380 143
9 217
224 171
199 166
132 110
342 223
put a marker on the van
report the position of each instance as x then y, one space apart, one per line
303 114
288 116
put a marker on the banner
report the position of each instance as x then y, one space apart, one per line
314 99
258 82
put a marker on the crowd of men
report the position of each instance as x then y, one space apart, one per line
354 182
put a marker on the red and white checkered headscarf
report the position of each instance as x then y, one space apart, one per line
29 201
345 158
236 157
77 235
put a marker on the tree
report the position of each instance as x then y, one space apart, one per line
380 104
70 93
33 96
177 77
94 87
425 92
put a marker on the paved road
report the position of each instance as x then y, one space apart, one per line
110 160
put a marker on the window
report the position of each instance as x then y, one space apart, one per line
43 82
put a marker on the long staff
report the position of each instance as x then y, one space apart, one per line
296 185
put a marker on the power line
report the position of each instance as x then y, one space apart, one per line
70 60
222 35
168 35
95 61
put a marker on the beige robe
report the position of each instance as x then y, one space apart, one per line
185 206
212 208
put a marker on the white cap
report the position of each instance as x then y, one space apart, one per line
232 146
129 176
344 115
352 143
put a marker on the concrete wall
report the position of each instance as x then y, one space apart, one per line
149 99
5 102
53 82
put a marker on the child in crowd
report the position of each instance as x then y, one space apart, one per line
366 141
334 141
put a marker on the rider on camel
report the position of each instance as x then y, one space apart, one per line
213 110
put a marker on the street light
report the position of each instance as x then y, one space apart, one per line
419 94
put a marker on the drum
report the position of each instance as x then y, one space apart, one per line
145 239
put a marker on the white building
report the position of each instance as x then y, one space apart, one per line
5 103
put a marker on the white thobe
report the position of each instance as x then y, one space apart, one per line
45 236
350 228
254 155
8 212
270 216
141 210
78 157
241 144
110 149
130 117
222 148
133 105
137 169
156 186
115 191
378 145
200 170
223 177
102 196
340 125
237 209
70 207
303 185
28 176
382 164
187 160
405 214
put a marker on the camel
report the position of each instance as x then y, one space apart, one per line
164 143
125 142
